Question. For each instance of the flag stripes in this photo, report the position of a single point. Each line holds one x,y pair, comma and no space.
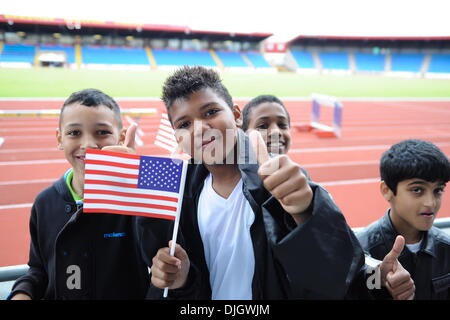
132,185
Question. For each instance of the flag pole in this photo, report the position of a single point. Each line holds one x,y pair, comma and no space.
177,217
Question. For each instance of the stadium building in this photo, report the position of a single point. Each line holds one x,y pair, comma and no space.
27,42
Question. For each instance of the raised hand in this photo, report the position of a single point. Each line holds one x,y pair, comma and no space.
283,178
394,277
128,145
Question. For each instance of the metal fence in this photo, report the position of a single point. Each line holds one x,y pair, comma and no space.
11,273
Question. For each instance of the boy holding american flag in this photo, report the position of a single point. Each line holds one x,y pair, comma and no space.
74,254
250,230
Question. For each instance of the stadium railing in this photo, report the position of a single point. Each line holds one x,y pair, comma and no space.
9,274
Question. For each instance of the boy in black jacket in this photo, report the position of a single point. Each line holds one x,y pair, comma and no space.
249,231
75,255
414,174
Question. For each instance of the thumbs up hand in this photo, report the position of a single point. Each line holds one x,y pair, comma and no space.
283,178
128,145
394,277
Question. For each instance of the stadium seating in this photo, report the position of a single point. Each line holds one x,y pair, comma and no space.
70,51
369,62
304,59
440,63
407,62
231,59
166,57
334,60
257,59
107,55
18,53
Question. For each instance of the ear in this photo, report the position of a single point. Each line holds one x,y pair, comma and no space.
237,115
59,139
122,136
386,192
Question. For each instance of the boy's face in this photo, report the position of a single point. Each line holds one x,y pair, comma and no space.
416,203
201,122
271,118
85,127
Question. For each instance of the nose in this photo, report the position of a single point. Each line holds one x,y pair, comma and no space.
430,201
200,126
89,142
274,131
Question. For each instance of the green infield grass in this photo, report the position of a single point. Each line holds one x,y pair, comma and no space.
45,82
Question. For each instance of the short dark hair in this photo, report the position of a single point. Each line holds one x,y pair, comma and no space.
93,98
413,158
187,80
256,102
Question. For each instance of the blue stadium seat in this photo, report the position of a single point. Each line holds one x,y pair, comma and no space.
18,53
165,57
257,59
70,51
440,63
334,60
410,62
304,59
107,55
231,59
369,62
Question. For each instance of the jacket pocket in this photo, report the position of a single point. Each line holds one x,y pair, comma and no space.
441,283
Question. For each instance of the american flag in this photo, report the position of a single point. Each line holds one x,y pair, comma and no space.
133,185
165,138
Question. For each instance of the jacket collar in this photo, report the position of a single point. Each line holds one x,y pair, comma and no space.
247,166
61,187
389,234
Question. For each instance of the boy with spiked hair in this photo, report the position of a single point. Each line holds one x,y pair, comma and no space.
250,230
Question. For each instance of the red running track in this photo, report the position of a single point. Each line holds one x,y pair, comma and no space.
347,167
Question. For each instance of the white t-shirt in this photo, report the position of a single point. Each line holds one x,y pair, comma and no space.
225,230
415,247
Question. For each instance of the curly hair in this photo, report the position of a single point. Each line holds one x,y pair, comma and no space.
187,80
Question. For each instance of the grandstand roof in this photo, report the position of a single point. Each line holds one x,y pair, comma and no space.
80,24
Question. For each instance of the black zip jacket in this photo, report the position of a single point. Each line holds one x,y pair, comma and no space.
105,248
320,259
429,268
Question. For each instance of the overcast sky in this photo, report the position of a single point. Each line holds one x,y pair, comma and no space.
285,17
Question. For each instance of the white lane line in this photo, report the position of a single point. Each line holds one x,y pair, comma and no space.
18,182
341,164
348,182
31,162
16,206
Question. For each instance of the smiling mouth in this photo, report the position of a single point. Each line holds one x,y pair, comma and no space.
276,145
81,158
207,142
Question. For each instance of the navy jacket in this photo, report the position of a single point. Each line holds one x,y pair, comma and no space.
429,268
320,259
105,248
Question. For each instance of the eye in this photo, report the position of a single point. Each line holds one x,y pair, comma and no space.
103,132
211,112
283,125
439,191
73,133
262,126
417,190
184,125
